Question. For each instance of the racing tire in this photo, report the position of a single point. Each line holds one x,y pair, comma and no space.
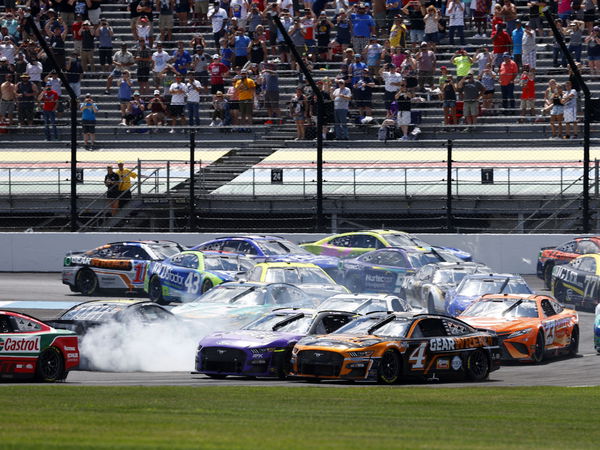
286,365
206,285
86,282
216,376
50,366
548,275
574,344
73,288
478,366
540,345
155,291
354,283
560,293
389,368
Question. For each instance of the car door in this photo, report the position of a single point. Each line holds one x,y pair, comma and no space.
554,335
139,262
19,341
190,269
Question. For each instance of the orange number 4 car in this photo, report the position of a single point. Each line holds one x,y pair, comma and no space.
529,327
391,347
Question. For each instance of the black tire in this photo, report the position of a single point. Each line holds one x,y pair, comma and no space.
478,366
50,366
216,376
389,368
574,344
86,282
548,275
354,283
155,291
73,288
540,345
206,285
286,365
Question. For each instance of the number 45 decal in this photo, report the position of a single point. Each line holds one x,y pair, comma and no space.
417,357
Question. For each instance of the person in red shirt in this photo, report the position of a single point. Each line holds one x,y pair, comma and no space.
527,93
502,43
217,70
49,100
508,73
77,36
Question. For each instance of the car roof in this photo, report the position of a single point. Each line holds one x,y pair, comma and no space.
251,237
286,264
495,276
149,241
453,265
376,296
518,296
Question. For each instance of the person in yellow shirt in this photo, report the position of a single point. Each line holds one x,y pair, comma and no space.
246,88
398,33
125,176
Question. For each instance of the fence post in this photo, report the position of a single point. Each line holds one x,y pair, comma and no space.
596,177
449,219
192,179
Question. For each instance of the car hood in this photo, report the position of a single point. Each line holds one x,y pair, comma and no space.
209,310
323,291
250,339
342,341
325,262
499,325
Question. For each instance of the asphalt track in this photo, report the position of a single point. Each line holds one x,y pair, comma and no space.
30,289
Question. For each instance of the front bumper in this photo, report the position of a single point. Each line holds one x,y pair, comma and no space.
328,365
233,361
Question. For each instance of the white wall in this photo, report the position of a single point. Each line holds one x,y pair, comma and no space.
44,252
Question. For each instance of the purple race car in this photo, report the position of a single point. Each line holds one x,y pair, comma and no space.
263,348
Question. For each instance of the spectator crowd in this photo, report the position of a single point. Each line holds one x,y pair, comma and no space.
229,63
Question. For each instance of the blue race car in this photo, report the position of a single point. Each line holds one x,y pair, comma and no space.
270,249
188,274
263,348
474,286
384,270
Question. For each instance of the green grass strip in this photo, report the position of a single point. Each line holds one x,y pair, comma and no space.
75,417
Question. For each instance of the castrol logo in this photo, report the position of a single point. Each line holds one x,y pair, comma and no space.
20,345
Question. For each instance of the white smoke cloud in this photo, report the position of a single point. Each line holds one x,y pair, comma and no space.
138,347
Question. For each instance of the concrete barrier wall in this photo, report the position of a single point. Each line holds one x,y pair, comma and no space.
44,252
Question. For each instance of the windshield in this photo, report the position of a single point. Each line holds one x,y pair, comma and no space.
359,326
298,323
396,328
404,240
294,275
164,251
448,276
502,308
480,286
280,247
217,263
94,312
354,305
240,295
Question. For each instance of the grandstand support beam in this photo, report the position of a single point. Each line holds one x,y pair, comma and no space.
73,97
320,220
192,205
449,218
587,118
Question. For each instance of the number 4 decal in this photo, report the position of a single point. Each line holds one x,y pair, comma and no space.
417,357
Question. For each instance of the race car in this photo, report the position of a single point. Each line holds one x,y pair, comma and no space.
578,282
30,348
188,274
355,243
394,347
384,270
474,286
528,326
428,287
229,306
270,249
263,348
365,303
309,277
597,328
118,266
549,257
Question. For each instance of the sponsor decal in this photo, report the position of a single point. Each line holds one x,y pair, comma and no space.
443,364
166,273
20,345
86,260
73,355
379,279
442,344
456,363
70,349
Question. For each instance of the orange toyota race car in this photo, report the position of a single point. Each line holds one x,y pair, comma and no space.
528,326
390,347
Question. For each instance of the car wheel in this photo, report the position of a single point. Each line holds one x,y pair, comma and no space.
354,283
73,288
389,368
540,346
548,275
86,282
574,344
50,366
216,376
286,364
206,285
155,291
478,366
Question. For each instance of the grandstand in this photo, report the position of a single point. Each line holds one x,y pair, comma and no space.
536,181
